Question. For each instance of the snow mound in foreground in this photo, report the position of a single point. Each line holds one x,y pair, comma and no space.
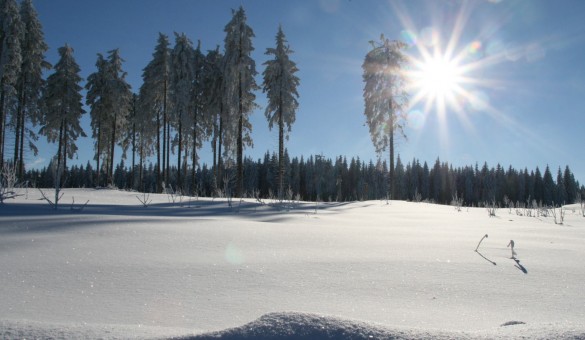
311,326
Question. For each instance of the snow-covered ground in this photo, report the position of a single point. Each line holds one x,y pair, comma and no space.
117,269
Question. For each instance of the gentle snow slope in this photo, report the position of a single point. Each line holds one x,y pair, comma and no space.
118,269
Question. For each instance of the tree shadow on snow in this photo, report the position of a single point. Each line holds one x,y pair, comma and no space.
519,266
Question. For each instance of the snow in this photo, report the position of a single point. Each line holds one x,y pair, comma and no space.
202,269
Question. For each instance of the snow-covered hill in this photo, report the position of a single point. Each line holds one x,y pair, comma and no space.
117,269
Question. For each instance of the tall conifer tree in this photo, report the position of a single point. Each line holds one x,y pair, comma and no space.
62,99
11,33
385,96
280,85
30,82
154,95
239,84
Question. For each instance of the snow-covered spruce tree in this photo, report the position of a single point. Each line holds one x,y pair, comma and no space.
154,95
213,106
63,109
280,85
30,83
385,96
201,123
239,86
11,32
182,78
96,99
120,99
110,99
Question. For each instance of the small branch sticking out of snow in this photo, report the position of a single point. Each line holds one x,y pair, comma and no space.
145,200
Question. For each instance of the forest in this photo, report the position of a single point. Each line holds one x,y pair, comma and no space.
317,178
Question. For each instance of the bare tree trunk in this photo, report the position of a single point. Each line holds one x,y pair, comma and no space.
194,155
2,123
280,152
391,170
112,148
179,147
158,154
98,153
21,149
164,143
219,157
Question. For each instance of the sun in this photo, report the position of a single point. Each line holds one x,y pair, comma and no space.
437,79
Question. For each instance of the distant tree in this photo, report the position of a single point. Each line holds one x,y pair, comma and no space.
30,83
11,33
280,85
548,187
239,85
63,107
561,190
385,96
154,95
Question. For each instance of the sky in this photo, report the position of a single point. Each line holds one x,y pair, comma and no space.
507,86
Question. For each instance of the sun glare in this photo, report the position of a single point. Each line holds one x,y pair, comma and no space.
438,78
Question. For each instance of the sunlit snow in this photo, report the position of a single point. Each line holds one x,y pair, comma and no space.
117,269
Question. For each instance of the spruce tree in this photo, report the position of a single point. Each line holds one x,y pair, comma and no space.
63,107
385,96
213,104
154,95
11,33
182,78
280,85
239,84
30,83
96,99
201,119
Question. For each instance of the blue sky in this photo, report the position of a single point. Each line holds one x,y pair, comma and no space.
520,93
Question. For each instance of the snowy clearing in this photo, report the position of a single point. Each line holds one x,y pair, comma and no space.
117,269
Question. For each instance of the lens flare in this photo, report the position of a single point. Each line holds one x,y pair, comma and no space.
409,37
416,119
233,254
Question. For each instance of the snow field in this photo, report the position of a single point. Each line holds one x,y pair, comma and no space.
120,270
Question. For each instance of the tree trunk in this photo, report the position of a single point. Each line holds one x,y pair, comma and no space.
98,153
280,152
21,149
133,171
219,158
158,165
391,170
112,147
194,155
164,143
179,147
2,125
168,161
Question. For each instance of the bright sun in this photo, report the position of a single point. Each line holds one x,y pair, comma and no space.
438,80
439,77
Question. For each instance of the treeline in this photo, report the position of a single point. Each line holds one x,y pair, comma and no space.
319,178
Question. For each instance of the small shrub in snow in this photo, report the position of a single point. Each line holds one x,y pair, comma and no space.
457,202
491,207
7,183
558,216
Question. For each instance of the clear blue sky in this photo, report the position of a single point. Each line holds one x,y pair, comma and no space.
521,100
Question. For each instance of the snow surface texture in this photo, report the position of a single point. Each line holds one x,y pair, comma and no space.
199,268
